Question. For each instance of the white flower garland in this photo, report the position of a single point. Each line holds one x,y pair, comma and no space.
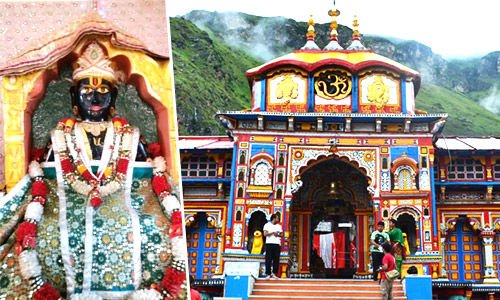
34,211
64,143
29,264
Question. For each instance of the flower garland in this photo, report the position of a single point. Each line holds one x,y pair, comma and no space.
174,279
116,155
25,238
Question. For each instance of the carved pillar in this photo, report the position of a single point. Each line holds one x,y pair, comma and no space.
487,236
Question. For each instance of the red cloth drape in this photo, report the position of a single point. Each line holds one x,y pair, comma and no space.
339,237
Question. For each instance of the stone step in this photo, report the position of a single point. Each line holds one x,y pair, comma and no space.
317,292
273,286
364,297
334,289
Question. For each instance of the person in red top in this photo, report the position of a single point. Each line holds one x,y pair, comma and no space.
388,264
195,295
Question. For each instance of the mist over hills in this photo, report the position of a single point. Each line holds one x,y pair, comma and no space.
213,50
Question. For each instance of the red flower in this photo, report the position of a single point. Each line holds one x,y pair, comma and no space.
172,280
160,184
154,150
39,188
26,229
176,224
87,176
122,166
96,201
66,166
37,154
46,292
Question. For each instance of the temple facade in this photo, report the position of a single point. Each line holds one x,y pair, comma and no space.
333,144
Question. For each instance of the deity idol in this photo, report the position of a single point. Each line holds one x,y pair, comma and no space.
96,226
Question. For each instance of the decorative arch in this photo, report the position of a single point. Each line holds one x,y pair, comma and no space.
303,158
413,211
404,170
256,209
23,92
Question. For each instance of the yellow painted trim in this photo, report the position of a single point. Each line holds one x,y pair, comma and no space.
405,142
292,140
317,141
263,139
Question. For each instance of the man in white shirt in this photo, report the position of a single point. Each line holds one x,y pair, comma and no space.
273,233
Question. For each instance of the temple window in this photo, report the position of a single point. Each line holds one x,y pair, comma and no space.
240,192
241,175
404,172
238,215
279,194
199,167
261,175
280,177
227,168
404,178
463,169
242,157
281,160
496,170
424,162
385,163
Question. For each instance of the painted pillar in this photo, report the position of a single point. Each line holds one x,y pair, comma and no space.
362,238
487,236
444,234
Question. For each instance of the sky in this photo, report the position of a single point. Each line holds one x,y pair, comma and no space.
452,28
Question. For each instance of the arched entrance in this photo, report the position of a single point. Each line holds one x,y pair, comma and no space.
326,221
408,226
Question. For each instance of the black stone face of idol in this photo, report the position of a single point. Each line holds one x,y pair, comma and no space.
94,102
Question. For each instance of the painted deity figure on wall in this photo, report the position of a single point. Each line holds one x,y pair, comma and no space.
96,225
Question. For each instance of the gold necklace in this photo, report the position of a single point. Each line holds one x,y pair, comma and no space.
94,128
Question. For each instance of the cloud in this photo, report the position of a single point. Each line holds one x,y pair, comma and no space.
492,101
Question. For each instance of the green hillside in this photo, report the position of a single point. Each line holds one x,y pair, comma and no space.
209,76
465,116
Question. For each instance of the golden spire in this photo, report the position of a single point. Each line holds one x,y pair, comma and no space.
310,30
334,13
333,44
355,28
356,41
310,35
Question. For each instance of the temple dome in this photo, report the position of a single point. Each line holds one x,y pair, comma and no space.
351,60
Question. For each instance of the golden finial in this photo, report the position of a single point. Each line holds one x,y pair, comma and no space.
333,44
310,30
310,44
334,13
356,41
355,28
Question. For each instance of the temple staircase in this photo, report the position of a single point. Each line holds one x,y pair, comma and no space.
307,289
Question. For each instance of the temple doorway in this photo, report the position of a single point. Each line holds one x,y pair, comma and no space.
408,225
329,213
